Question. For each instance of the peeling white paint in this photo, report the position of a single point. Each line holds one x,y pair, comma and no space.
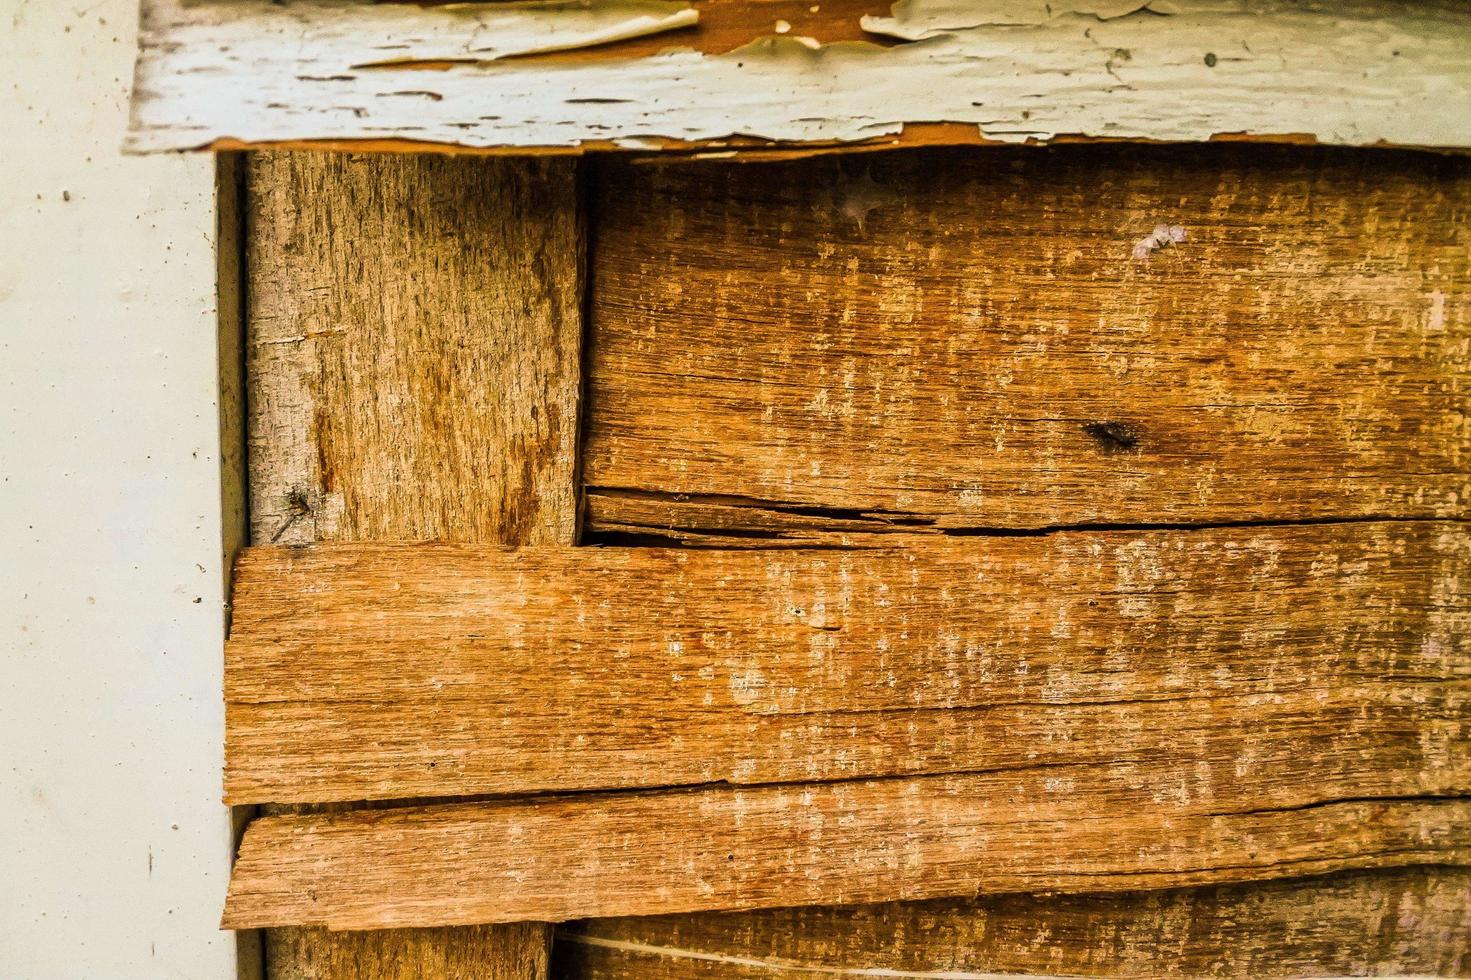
114,846
918,20
1352,73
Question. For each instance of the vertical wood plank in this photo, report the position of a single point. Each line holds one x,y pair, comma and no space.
413,354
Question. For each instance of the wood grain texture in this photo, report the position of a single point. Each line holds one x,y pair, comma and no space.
1229,667
1357,73
911,342
1320,676
1352,733
413,369
414,349
909,288
505,952
808,844
1415,921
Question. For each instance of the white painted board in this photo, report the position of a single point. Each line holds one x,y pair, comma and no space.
114,845
1350,72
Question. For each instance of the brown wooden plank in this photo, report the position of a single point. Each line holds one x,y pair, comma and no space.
1319,671
414,350
497,952
819,843
934,340
1414,921
1293,255
413,362
1237,665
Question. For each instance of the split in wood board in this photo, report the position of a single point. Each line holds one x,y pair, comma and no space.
1070,711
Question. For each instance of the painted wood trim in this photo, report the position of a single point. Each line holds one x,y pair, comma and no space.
547,75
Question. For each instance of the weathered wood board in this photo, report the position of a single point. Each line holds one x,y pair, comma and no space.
820,843
1410,922
531,75
486,952
414,336
905,281
1235,667
819,350
610,662
414,350
348,452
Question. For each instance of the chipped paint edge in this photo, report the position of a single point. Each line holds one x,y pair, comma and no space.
217,75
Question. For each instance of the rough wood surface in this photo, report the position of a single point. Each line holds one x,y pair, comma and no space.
1354,715
1304,694
478,75
1415,921
816,351
808,844
414,349
413,369
1224,668
497,952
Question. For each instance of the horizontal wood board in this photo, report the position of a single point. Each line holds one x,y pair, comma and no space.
1234,666
824,843
1409,922
819,351
1357,771
568,76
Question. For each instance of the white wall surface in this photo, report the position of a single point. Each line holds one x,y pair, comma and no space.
114,846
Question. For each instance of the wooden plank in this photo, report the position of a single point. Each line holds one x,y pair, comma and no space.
823,350
1037,245
1238,666
522,75
413,364
1415,921
414,355
821,843
497,952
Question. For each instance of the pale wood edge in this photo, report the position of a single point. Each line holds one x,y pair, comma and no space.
230,314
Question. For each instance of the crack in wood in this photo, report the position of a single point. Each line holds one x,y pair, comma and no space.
675,533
